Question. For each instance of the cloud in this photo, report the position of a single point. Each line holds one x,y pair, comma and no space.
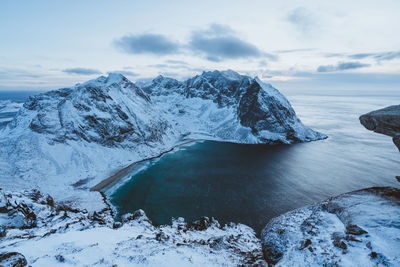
294,50
6,73
81,71
219,42
178,62
159,66
147,43
125,73
342,66
378,56
301,18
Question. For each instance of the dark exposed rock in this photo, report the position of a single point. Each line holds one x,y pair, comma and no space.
3,231
305,243
13,259
385,121
60,258
202,224
355,230
96,217
161,236
64,207
117,225
337,240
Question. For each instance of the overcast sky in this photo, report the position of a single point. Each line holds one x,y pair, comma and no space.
49,44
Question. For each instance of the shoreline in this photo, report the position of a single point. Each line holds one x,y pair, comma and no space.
124,171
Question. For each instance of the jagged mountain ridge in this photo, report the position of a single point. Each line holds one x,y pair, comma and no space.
257,105
83,134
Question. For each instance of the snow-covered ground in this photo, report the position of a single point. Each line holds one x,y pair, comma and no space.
8,109
9,106
41,232
360,228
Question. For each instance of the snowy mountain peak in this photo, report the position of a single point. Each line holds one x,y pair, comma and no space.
225,74
103,82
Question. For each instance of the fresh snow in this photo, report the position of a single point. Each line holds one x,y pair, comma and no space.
360,228
52,234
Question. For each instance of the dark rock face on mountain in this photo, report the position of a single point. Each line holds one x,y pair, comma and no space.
257,105
359,227
385,121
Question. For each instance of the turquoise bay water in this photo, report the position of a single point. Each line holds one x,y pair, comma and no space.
251,184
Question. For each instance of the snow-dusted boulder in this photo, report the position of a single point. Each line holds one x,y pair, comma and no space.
385,121
360,228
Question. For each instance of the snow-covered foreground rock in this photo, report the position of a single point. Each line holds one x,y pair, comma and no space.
8,109
360,228
37,231
64,142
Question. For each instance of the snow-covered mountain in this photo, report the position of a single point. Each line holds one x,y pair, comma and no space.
233,107
75,137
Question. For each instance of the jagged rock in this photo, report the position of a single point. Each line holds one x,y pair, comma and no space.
331,227
117,225
13,259
355,230
203,224
305,243
60,258
385,121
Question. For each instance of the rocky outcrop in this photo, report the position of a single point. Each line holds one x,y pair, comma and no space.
385,121
13,259
40,232
360,227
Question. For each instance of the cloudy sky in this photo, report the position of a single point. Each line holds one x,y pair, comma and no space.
49,44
